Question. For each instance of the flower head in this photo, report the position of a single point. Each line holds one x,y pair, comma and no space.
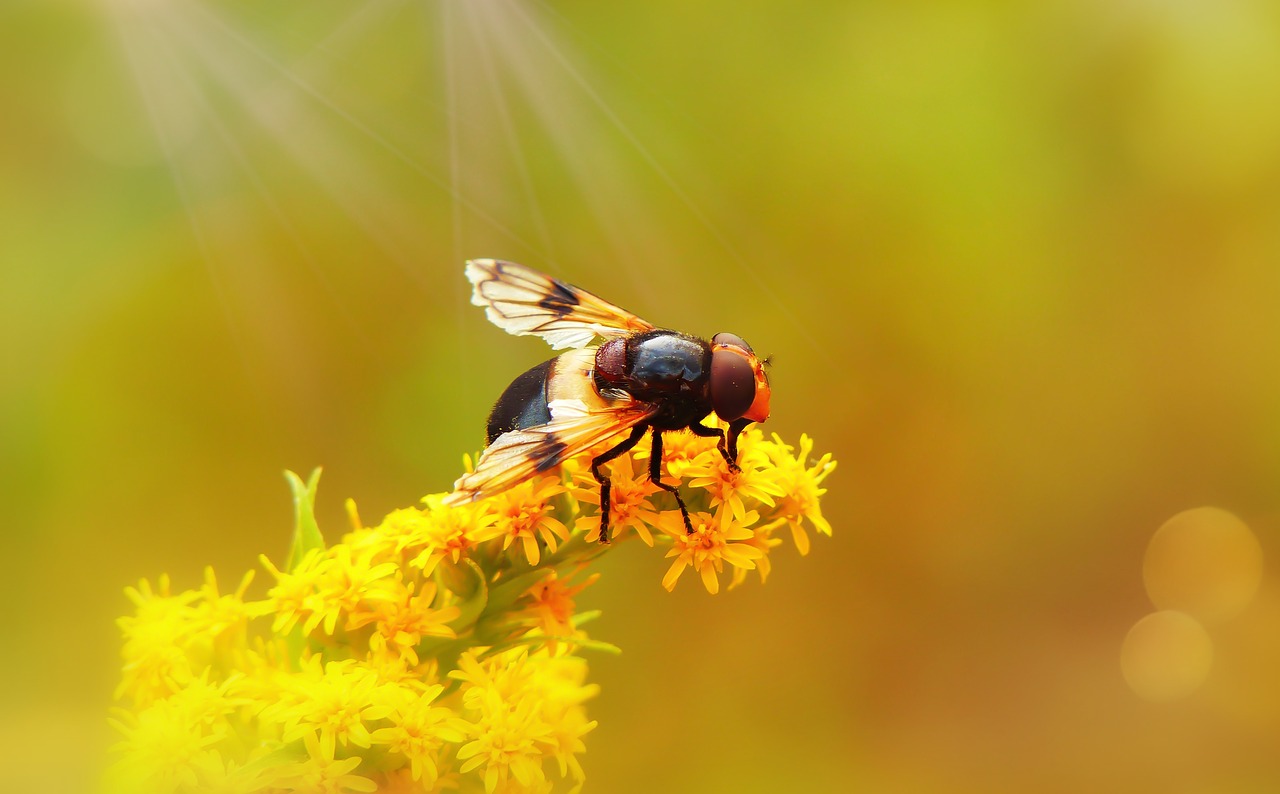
550,607
525,514
754,481
449,532
155,660
419,730
403,621
712,543
629,505
439,648
321,773
800,485
332,701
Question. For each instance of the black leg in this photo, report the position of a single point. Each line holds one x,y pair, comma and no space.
637,433
655,476
735,429
700,429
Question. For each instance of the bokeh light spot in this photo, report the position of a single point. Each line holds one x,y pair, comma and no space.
1166,656
1205,562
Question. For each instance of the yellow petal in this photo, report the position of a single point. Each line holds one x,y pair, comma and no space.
673,573
710,580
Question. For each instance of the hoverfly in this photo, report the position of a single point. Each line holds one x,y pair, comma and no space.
639,378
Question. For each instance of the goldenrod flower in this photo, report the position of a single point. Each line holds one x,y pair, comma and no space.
525,709
217,615
762,538
680,450
155,659
550,603
753,482
629,503
408,529
403,620
163,748
332,701
419,729
450,532
709,546
437,649
800,487
322,774
523,513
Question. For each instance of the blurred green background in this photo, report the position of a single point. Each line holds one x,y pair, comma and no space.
1018,266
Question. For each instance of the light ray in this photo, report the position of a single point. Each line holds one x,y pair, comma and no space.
598,175
485,56
318,96
455,164
344,180
147,66
260,186
735,254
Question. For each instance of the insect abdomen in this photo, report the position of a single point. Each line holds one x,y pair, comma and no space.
523,404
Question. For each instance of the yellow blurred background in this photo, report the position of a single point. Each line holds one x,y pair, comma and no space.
1018,266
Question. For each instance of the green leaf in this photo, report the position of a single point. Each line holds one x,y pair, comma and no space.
539,639
590,645
502,596
306,532
585,617
466,581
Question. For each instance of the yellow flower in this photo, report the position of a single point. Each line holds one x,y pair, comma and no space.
403,621
218,614
163,748
327,586
679,451
550,607
709,546
449,532
506,742
753,481
800,484
321,773
219,775
293,597
762,538
407,528
332,702
419,729
629,506
559,679
425,653
523,708
155,660
209,704
524,513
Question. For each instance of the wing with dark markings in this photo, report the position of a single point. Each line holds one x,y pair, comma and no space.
522,301
518,455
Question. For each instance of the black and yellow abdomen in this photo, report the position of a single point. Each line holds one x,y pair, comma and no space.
527,402
523,404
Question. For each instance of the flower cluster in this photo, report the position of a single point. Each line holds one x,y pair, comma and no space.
438,649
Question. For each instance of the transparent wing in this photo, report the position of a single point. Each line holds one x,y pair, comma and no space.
522,301
516,456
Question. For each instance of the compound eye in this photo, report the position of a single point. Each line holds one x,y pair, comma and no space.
731,339
733,380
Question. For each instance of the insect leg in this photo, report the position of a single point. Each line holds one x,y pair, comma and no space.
655,476
630,441
700,429
735,429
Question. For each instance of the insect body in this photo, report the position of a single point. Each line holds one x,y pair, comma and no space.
640,378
